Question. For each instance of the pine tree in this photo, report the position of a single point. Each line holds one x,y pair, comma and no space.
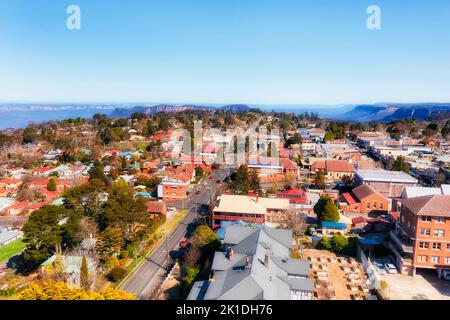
84,274
320,179
255,182
51,185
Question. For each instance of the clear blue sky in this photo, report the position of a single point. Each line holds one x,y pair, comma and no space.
227,51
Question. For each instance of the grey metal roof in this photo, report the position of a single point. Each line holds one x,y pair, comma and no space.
8,235
236,234
384,175
295,267
232,279
299,284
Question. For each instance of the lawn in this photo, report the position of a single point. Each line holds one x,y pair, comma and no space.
11,249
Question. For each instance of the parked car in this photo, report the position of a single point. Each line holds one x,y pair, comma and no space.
390,268
357,231
446,275
379,267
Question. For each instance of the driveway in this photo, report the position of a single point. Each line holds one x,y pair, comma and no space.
425,285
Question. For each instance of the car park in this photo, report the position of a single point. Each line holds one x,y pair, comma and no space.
446,274
379,268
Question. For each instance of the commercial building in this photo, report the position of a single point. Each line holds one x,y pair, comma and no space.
248,209
422,234
388,183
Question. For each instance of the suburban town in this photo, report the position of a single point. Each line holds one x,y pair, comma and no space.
234,204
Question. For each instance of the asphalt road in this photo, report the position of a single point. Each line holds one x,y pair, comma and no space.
145,278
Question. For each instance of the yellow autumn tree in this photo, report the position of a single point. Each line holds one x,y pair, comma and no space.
60,291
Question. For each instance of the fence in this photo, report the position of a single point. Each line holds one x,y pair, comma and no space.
374,281
161,282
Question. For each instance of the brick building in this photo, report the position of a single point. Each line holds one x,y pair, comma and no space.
422,234
364,199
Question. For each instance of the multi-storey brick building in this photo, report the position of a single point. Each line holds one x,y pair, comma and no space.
364,199
422,234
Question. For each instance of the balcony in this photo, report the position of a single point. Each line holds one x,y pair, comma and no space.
400,243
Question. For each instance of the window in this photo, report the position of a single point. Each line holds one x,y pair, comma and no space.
436,246
368,205
435,259
423,245
381,205
447,260
438,233
422,258
426,218
448,246
425,232
375,204
440,219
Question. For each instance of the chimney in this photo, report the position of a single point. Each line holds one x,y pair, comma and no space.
257,198
250,193
266,261
247,263
231,254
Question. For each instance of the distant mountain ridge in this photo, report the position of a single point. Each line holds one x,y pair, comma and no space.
167,108
392,112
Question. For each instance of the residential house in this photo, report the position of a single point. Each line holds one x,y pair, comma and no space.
10,186
255,266
334,169
7,236
156,209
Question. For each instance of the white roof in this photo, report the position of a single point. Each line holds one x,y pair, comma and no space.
246,204
412,192
6,202
445,189
384,175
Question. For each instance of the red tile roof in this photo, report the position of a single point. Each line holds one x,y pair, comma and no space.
432,205
156,207
333,166
10,181
348,198
18,205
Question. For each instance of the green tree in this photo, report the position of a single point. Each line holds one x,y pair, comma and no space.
109,243
241,182
400,165
339,243
47,228
325,243
164,124
84,274
331,212
255,182
296,139
51,185
124,211
319,180
206,239
329,136
28,135
97,172
326,210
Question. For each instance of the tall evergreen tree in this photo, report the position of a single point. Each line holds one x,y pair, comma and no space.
84,274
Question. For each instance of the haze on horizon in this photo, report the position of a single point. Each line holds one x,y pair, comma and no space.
236,51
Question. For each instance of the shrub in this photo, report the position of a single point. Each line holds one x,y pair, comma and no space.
132,250
116,274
